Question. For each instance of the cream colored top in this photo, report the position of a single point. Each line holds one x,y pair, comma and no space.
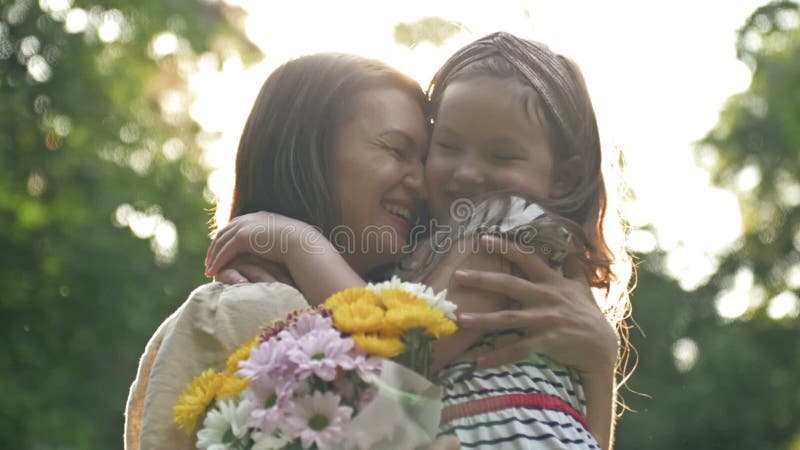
214,321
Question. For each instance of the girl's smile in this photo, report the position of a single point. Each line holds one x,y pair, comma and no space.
489,134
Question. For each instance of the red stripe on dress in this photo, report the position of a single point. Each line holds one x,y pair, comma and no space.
496,403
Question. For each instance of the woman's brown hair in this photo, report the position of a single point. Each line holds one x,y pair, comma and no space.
284,156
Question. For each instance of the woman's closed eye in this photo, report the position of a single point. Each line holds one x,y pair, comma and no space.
400,152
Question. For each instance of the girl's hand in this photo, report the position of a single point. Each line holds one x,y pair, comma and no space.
269,236
558,313
252,269
313,265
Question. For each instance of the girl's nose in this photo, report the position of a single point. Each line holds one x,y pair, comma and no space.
468,173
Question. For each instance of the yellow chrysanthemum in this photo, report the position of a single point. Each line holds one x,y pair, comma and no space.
240,354
232,385
398,298
360,316
441,328
195,399
413,317
351,295
380,345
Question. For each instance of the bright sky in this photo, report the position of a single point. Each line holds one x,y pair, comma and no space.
658,75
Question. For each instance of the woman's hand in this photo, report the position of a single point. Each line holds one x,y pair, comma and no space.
560,319
558,313
269,236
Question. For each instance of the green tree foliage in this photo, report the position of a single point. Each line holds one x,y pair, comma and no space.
102,213
741,391
758,137
738,391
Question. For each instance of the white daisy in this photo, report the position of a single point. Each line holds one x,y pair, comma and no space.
435,300
263,441
319,419
225,425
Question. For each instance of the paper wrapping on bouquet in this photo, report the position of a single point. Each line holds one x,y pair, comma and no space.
404,415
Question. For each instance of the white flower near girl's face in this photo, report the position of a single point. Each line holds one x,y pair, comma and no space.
439,301
319,419
521,212
434,300
225,426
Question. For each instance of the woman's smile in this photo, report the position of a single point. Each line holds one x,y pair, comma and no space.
378,170
402,214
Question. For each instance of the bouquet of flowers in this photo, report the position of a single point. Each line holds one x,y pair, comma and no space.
320,378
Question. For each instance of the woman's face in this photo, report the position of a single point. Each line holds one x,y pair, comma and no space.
377,175
488,136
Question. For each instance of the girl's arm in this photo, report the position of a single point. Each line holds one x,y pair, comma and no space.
314,265
469,300
600,400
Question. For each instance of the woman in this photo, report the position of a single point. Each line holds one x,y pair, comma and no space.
340,114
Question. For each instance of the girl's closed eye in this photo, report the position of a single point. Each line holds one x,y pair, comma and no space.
448,147
507,156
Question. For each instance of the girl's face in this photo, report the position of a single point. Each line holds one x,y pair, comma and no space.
488,135
378,177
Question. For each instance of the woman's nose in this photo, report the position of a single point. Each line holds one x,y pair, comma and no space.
415,182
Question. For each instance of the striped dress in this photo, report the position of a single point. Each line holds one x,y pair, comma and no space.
531,404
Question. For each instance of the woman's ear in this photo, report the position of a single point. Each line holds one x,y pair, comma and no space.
566,177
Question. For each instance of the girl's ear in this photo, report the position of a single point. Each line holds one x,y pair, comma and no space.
566,177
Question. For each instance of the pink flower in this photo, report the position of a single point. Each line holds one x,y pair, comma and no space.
309,322
320,352
268,359
367,397
319,419
271,398
368,367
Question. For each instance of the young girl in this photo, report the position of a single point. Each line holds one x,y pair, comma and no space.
510,114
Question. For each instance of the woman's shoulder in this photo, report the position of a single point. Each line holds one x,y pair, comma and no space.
217,290
217,307
214,320
274,297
